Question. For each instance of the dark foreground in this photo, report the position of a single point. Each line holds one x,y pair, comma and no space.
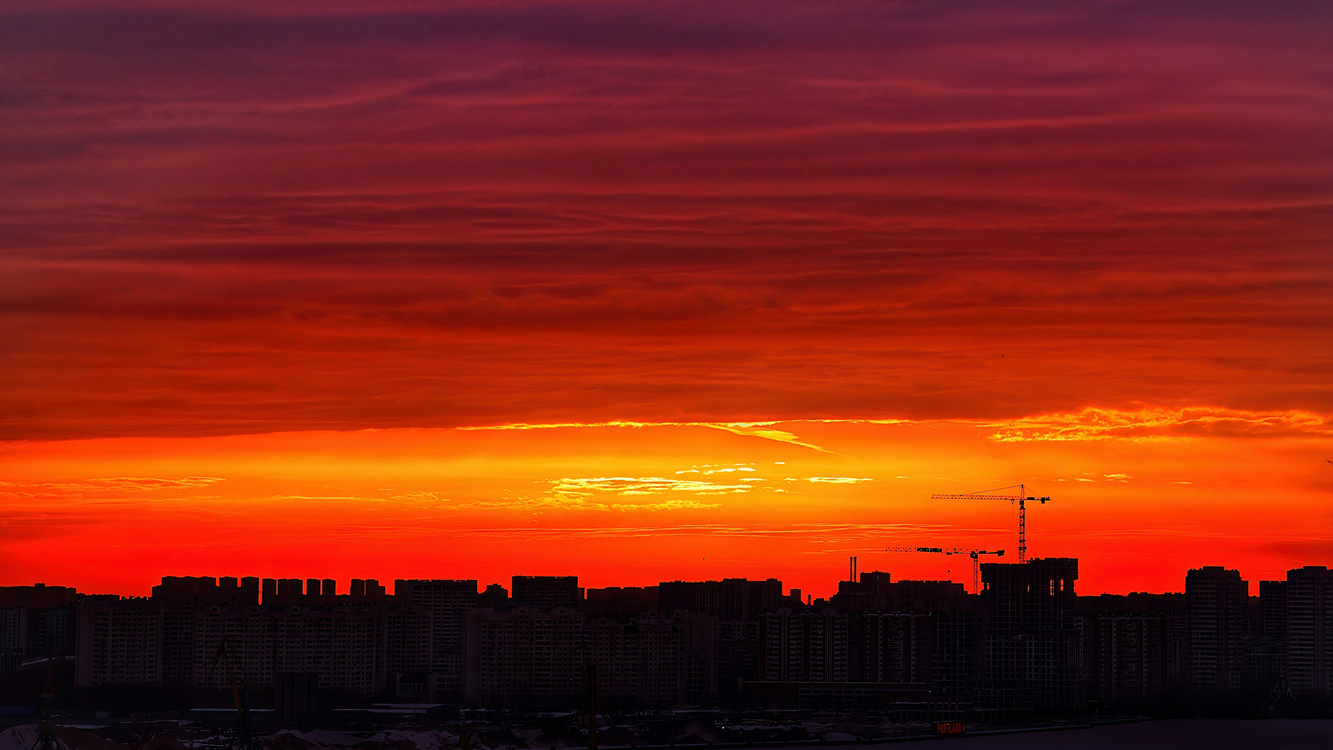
1176,734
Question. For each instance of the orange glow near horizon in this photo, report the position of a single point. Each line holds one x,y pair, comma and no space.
633,505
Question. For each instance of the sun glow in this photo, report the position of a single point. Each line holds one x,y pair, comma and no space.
632,504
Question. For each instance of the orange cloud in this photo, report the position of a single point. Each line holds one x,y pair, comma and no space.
763,430
1159,424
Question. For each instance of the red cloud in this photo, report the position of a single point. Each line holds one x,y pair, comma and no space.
295,216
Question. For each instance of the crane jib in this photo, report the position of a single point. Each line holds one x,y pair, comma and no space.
1022,497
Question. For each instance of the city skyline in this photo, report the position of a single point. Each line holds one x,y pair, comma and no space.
1025,646
265,590
745,661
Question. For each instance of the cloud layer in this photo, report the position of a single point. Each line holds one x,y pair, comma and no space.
1156,423
240,217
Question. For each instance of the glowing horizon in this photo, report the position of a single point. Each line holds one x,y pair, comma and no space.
634,505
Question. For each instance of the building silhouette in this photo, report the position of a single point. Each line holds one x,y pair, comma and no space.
1026,645
172,641
621,601
1266,652
1309,593
206,589
547,591
728,599
447,601
36,622
1032,658
523,656
1218,604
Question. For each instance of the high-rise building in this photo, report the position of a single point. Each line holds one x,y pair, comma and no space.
640,659
1217,600
805,646
739,655
36,632
208,589
1128,648
1310,629
525,655
621,602
1174,611
1133,646
11,628
409,640
547,591
698,655
120,643
251,638
447,600
1033,652
1266,656
1273,606
875,592
728,599
37,596
890,647
955,652
826,658
179,642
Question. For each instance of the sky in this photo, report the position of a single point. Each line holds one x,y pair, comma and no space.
468,290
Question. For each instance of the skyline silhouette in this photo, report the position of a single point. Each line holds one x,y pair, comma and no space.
1024,647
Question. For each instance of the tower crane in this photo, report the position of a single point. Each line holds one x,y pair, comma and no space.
46,733
240,694
972,553
1021,497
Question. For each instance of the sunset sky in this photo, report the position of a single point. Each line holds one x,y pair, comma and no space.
651,290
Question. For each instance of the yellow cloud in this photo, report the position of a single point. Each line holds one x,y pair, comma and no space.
764,430
1161,424
585,486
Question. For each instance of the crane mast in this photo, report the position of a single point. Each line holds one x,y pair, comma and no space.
976,567
1021,498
